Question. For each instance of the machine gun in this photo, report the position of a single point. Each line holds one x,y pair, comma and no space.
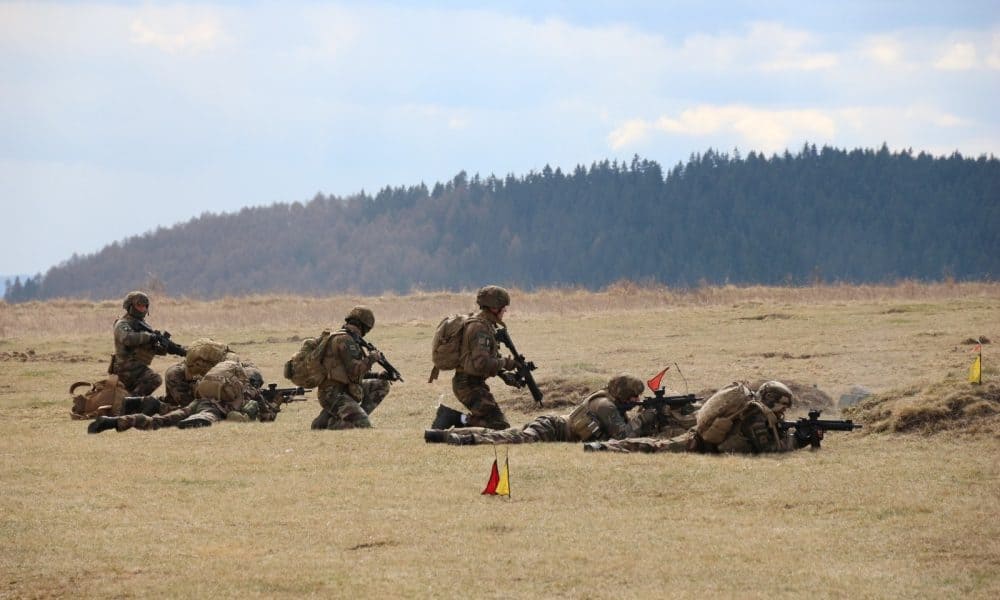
521,376
162,339
278,396
660,399
392,372
809,430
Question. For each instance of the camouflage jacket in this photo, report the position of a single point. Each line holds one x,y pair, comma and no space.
480,353
344,360
598,418
133,344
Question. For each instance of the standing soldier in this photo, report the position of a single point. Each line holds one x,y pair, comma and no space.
601,416
346,395
135,348
479,359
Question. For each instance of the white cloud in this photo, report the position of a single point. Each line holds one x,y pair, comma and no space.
175,37
764,46
774,130
761,129
630,133
960,56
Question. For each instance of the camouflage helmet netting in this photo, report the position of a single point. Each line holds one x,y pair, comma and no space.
622,387
134,297
773,393
363,315
492,296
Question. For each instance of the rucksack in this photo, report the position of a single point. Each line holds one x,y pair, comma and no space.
224,383
305,367
202,355
104,398
718,415
446,347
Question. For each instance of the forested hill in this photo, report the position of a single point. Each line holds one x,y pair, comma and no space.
821,214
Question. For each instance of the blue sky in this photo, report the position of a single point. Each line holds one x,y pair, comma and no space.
117,118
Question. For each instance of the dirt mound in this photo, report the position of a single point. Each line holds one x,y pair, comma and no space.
947,406
32,356
558,392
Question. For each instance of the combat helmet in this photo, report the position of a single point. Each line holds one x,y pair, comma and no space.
363,317
131,300
623,387
775,395
492,296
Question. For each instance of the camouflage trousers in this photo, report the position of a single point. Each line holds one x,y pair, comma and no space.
546,428
198,412
680,443
475,395
342,410
137,377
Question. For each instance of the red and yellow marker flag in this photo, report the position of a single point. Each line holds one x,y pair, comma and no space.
499,482
654,383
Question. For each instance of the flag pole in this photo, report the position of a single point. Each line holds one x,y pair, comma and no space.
980,382
506,460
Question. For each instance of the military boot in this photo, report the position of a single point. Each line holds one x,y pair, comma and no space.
102,424
435,436
194,421
322,421
446,417
150,406
132,405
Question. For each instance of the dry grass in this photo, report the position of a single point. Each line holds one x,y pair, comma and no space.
276,510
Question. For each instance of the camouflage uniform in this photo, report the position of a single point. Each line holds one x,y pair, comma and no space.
214,401
599,417
346,396
751,430
135,349
181,379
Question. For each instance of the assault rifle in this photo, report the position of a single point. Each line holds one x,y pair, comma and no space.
521,376
162,339
809,430
660,399
391,371
278,396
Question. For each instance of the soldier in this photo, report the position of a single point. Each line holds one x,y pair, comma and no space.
346,395
735,419
220,394
181,379
479,359
601,416
135,348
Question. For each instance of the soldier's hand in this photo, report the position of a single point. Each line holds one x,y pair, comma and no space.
509,364
375,355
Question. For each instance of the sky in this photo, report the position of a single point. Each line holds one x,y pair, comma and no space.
117,118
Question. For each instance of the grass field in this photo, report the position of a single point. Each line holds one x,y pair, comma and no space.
264,510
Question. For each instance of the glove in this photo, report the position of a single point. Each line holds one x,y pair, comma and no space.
375,356
509,364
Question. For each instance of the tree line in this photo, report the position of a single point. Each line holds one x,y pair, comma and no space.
828,214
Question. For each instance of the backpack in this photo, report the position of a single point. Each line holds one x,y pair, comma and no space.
446,347
718,415
224,383
305,367
104,398
202,355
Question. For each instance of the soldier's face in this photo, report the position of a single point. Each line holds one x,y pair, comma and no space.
140,307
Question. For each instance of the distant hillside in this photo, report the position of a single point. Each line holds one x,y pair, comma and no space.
861,216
